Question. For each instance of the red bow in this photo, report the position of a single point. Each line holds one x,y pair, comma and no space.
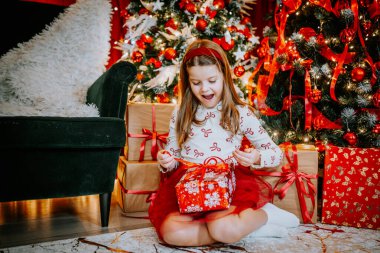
291,175
157,139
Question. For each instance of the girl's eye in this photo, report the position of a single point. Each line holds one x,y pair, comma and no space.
196,83
212,81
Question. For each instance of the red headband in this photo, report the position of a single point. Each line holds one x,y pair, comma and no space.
202,51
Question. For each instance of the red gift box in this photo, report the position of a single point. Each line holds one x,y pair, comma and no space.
351,193
205,187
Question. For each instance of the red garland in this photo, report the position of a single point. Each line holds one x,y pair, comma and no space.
291,175
157,139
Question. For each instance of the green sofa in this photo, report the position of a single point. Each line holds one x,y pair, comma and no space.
54,157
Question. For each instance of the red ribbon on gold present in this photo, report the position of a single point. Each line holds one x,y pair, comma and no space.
290,175
157,139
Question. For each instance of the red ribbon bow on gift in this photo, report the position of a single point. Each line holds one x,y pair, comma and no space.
157,139
209,164
291,175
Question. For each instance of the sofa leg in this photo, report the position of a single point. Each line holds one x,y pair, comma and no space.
105,204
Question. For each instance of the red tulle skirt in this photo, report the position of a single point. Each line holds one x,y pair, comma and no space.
251,192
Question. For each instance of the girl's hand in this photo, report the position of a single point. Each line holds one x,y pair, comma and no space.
248,157
166,160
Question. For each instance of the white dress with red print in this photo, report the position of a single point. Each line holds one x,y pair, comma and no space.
210,139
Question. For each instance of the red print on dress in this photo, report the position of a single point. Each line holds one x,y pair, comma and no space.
197,153
249,113
191,132
175,152
206,132
229,159
187,148
215,147
172,119
248,131
265,146
261,130
210,115
229,139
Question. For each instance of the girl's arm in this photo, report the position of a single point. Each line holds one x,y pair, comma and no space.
270,153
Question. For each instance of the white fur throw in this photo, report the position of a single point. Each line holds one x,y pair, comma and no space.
49,75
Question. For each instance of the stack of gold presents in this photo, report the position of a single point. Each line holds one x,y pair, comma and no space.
138,175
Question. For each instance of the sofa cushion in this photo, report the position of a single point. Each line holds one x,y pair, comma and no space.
61,132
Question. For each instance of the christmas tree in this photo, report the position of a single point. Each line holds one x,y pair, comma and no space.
317,79
158,33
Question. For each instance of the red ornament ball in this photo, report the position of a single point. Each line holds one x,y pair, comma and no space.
201,24
190,7
232,28
157,64
245,20
357,74
211,13
315,96
320,146
171,23
376,129
351,138
218,4
163,98
227,46
170,53
376,99
347,35
146,38
137,56
262,52
239,71
143,11
247,55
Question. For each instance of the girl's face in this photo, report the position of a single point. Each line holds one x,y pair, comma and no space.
206,83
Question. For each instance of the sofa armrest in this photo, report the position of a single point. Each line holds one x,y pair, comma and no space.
110,91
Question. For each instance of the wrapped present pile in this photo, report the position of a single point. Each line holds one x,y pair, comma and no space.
138,176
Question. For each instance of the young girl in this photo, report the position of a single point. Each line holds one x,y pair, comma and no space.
211,120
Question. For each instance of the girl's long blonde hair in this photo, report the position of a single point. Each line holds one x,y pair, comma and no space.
188,103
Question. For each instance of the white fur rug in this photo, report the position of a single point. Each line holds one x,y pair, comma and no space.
304,239
49,75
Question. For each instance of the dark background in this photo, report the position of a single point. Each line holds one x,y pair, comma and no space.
20,21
